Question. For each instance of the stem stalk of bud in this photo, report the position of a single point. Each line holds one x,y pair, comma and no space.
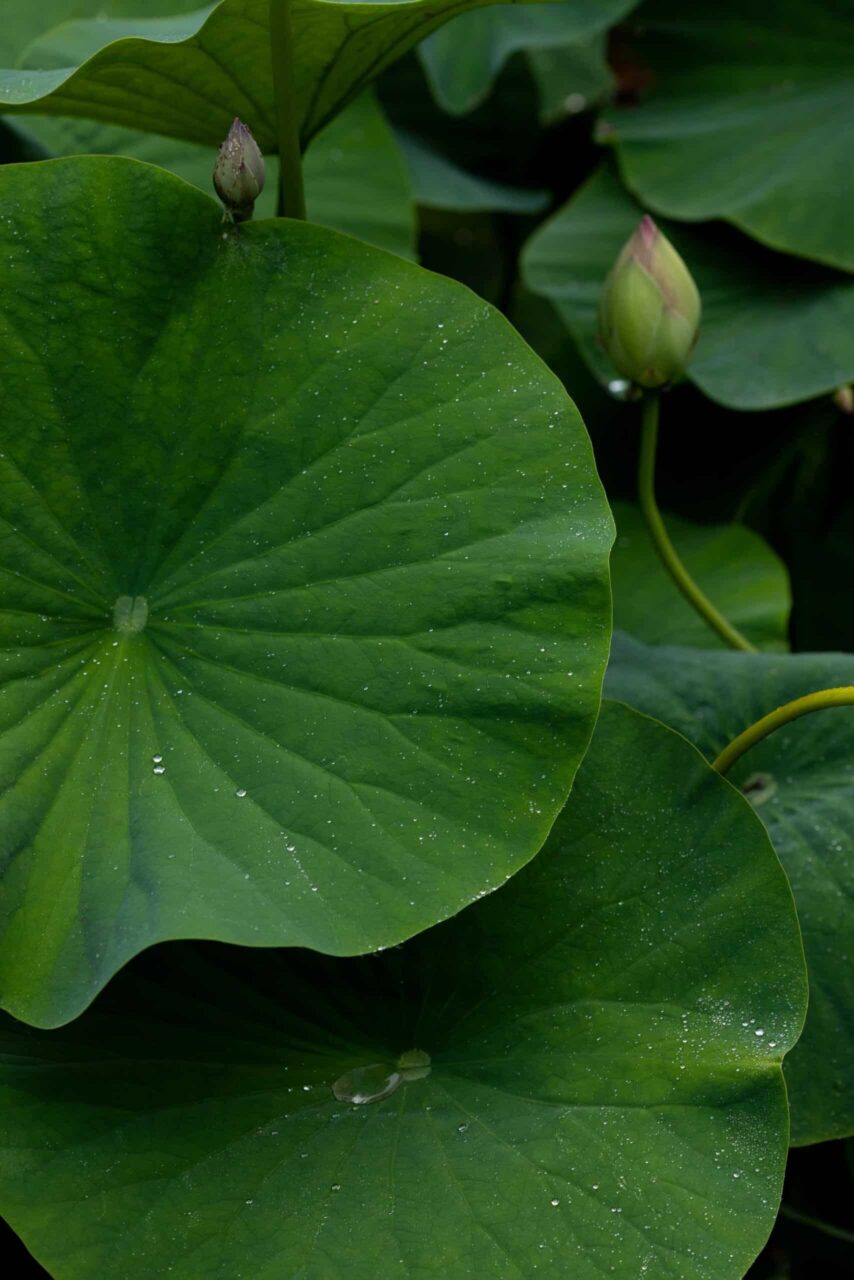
661,539
820,701
291,191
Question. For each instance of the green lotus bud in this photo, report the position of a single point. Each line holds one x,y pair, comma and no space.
239,172
649,314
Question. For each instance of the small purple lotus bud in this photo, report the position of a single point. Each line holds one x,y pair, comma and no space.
239,172
649,314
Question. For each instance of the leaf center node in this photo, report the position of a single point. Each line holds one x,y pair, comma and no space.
130,613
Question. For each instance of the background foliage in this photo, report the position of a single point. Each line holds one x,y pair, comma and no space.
512,149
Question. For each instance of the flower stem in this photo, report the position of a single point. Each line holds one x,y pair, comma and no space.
661,539
838,1233
820,701
291,192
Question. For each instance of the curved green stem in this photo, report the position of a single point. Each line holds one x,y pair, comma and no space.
820,701
291,192
661,538
795,1215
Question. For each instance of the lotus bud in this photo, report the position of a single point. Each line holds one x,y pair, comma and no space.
649,314
239,172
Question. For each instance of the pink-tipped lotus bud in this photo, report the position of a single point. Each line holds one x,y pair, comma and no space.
239,172
649,314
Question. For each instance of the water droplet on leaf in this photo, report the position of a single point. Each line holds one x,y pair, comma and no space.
366,1084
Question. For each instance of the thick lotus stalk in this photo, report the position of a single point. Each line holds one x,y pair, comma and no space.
239,172
649,314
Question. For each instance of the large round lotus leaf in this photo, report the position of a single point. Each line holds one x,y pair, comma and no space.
774,331
187,74
733,565
744,119
801,780
303,589
579,1076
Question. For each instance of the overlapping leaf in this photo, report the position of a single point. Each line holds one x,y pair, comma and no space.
604,1091
188,76
774,331
801,780
304,584
744,118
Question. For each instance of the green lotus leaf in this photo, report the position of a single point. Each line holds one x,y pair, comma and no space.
24,22
462,60
801,781
757,305
304,601
438,183
188,75
355,175
580,1074
572,78
742,119
734,566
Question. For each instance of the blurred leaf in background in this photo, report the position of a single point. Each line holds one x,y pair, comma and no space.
564,44
745,117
